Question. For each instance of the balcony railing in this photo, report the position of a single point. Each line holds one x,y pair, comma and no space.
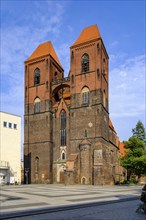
62,80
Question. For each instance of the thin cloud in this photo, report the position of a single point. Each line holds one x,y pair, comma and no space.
127,88
114,43
64,56
45,21
17,43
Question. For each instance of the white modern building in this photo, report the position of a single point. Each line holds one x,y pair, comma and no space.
10,148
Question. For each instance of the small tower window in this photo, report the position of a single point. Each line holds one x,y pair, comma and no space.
85,96
72,55
85,63
26,91
104,67
37,105
98,74
63,156
72,78
25,69
85,133
98,48
36,164
37,76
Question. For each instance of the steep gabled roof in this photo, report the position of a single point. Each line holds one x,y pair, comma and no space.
84,142
89,33
44,49
72,157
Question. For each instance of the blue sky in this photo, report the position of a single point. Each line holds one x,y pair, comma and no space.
26,24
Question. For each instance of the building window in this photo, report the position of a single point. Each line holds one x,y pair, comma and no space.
10,125
63,156
36,105
85,96
72,55
25,69
15,126
37,76
26,91
63,128
5,124
72,78
85,63
36,164
85,133
98,74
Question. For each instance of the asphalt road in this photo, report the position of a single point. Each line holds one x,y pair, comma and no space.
125,210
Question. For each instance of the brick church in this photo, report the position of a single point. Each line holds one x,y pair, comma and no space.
69,137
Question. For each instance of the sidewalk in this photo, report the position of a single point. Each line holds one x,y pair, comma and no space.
27,198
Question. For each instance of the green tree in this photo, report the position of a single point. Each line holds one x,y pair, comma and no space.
139,131
135,159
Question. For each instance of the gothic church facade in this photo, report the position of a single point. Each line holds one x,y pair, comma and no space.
68,135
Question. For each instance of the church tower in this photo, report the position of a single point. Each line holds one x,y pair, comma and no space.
40,70
89,127
69,136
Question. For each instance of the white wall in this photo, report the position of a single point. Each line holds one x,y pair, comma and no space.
10,144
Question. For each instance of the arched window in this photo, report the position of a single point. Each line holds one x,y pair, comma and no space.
37,76
36,164
26,91
85,63
63,156
72,78
37,105
85,96
63,128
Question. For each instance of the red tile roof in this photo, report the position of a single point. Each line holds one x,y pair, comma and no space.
44,49
121,147
89,33
72,157
84,142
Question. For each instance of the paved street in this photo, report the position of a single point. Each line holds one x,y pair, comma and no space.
68,202
116,211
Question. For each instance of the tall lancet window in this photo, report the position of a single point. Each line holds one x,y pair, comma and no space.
85,96
63,128
36,164
85,63
37,76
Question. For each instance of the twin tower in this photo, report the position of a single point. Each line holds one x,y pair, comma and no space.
68,134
